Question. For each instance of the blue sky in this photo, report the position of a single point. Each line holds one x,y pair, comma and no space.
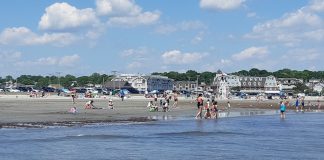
144,36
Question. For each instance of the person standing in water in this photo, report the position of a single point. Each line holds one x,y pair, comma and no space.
200,104
302,104
282,110
297,104
214,110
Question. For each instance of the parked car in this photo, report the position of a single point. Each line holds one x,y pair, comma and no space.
92,90
13,90
23,89
103,91
48,89
81,90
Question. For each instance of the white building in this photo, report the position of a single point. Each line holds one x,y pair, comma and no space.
318,87
144,83
287,84
223,83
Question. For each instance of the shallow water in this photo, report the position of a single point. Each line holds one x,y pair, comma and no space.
299,136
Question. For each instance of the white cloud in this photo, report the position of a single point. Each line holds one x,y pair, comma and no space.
134,65
317,5
221,4
166,29
68,60
292,28
24,36
182,26
145,18
315,35
251,15
198,38
65,61
63,16
177,57
131,53
252,52
6,56
225,61
117,8
125,13
302,55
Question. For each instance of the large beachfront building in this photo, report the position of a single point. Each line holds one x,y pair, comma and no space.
144,83
223,83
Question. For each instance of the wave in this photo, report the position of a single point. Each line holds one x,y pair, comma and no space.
198,133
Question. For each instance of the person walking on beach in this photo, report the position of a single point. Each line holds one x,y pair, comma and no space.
122,95
155,98
73,97
282,109
228,105
200,104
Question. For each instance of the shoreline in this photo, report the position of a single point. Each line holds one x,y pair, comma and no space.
53,111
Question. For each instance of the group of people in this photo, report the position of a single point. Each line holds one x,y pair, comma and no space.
211,111
154,108
164,102
89,105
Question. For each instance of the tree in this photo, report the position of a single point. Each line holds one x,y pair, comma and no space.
9,78
300,88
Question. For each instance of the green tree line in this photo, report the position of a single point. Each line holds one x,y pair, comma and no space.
190,75
65,81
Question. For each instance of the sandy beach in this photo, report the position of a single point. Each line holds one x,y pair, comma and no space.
23,111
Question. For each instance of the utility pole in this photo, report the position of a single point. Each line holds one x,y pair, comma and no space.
197,84
114,76
58,77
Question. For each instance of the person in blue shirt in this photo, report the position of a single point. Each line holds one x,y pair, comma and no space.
122,95
283,107
297,104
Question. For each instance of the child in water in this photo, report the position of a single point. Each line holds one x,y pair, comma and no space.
207,114
215,110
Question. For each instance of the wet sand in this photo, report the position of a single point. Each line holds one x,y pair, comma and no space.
53,111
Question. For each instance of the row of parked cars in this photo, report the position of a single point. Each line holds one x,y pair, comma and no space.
105,91
19,89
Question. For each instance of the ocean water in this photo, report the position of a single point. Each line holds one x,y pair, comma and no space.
299,136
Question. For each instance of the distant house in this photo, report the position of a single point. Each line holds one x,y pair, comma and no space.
117,85
184,85
287,84
318,87
143,83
